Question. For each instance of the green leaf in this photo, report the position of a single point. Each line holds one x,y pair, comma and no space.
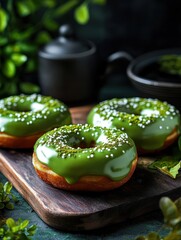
167,165
174,235
16,228
7,187
18,35
49,3
178,204
3,20
100,2
1,231
18,58
43,37
153,236
3,41
10,223
23,224
169,210
31,65
25,47
50,24
66,7
6,199
25,8
172,172
9,49
9,206
20,47
29,88
32,230
8,88
9,69
82,14
13,196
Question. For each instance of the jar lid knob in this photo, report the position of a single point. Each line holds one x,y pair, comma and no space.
66,31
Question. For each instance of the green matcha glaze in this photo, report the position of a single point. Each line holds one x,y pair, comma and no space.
27,115
106,152
147,121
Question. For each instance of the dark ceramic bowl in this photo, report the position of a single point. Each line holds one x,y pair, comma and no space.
146,76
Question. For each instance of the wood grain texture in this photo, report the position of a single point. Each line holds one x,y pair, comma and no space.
85,211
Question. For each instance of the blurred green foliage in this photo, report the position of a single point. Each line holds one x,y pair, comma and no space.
6,196
172,221
25,25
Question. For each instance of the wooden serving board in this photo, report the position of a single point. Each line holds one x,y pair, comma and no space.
75,211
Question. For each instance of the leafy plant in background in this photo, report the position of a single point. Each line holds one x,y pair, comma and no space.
25,25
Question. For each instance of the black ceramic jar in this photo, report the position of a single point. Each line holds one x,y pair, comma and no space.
68,68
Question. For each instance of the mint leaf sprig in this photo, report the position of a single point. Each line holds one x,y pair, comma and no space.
169,163
17,230
6,196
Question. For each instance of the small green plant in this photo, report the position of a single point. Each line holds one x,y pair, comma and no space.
17,230
6,196
172,221
9,228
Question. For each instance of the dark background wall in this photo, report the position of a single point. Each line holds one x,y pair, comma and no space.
134,25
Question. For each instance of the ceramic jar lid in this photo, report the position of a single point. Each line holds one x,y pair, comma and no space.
67,45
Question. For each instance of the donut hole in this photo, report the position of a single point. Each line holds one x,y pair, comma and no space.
19,108
90,139
127,110
144,112
24,106
84,144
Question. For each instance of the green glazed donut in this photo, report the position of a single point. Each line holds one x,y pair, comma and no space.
75,151
25,116
152,124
